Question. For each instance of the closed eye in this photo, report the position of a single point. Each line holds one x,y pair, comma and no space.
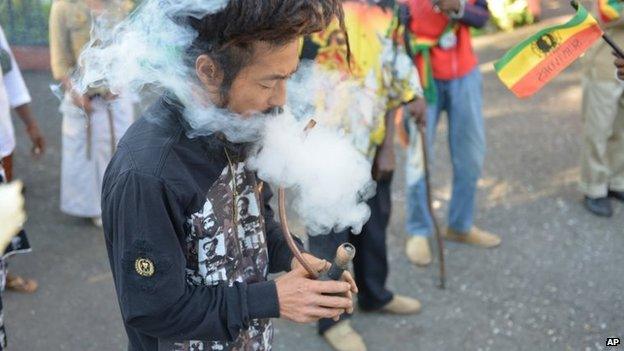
266,86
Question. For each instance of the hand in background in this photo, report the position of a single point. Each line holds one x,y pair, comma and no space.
449,6
619,64
418,111
32,129
37,140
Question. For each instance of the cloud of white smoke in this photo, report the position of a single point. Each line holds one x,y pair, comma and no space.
331,178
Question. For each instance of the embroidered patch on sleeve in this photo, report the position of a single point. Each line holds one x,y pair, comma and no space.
145,268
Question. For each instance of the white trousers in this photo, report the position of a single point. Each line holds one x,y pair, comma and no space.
88,146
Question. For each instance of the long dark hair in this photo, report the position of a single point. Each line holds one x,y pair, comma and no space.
228,36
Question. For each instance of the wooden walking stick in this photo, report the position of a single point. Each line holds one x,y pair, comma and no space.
436,227
404,18
111,126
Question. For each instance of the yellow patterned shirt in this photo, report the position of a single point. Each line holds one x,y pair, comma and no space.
379,66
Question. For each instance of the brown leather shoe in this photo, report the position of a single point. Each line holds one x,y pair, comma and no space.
418,251
402,305
476,237
342,337
21,285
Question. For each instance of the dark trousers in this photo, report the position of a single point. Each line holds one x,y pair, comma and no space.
371,263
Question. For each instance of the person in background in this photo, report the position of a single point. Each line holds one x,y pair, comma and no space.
441,45
192,238
378,66
14,94
602,160
93,122
17,98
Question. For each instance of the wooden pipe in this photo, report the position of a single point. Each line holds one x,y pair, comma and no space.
288,237
281,195
344,255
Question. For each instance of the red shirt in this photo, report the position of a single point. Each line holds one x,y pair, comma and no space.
426,23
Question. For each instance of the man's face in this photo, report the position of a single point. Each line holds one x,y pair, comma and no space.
261,85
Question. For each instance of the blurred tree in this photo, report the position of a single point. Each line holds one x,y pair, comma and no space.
25,22
507,14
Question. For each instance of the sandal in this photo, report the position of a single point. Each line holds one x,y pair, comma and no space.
21,285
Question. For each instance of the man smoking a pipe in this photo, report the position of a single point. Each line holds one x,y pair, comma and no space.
189,232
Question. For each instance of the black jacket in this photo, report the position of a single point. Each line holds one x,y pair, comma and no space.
187,265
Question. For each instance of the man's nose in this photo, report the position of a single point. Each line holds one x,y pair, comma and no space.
279,94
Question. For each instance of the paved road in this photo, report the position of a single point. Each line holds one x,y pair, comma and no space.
555,284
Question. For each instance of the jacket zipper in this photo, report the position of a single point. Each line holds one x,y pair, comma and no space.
234,203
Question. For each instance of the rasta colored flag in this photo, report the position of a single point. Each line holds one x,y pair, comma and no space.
528,66
609,10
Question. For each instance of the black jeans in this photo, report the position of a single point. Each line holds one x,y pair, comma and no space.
370,264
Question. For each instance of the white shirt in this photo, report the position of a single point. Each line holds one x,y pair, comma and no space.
13,93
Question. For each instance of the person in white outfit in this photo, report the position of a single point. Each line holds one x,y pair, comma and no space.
94,122
14,95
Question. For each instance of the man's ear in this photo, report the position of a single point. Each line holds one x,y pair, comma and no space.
208,72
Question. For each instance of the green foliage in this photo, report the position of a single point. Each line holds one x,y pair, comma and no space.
507,14
25,22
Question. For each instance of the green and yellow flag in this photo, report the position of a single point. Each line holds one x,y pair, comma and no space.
609,10
528,66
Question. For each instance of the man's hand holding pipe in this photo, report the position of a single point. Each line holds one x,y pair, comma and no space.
305,300
324,266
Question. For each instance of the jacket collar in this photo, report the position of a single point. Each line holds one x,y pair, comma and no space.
213,144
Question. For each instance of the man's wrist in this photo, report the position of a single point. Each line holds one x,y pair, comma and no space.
262,300
459,12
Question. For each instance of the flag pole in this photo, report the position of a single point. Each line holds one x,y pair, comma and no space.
616,48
